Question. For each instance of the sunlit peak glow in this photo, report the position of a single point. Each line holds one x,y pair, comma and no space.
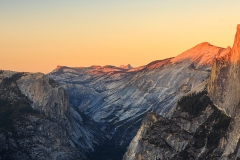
36,36
235,57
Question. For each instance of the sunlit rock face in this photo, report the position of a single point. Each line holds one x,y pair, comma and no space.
224,89
224,86
195,130
119,98
37,121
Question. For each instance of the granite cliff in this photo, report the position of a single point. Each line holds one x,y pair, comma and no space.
224,89
197,129
37,121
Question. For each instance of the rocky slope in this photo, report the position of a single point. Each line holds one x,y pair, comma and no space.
118,98
194,131
201,126
37,121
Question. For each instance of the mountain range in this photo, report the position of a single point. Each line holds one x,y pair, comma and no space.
118,99
184,107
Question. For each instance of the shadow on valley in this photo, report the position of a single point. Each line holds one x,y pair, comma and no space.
108,151
114,148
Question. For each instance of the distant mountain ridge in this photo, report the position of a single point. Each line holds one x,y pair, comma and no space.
118,99
126,66
184,107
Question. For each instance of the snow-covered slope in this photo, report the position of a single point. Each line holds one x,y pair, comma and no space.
118,99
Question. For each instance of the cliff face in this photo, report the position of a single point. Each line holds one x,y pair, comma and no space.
195,130
224,89
38,122
224,81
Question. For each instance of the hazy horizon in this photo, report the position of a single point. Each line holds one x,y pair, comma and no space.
36,36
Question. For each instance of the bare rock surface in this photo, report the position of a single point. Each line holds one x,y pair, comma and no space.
212,133
196,130
37,121
118,99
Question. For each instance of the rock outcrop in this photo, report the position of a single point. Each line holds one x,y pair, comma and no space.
126,66
196,130
38,122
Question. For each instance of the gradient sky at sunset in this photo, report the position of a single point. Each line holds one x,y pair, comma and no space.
37,36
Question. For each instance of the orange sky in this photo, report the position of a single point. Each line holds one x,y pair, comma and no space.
38,36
